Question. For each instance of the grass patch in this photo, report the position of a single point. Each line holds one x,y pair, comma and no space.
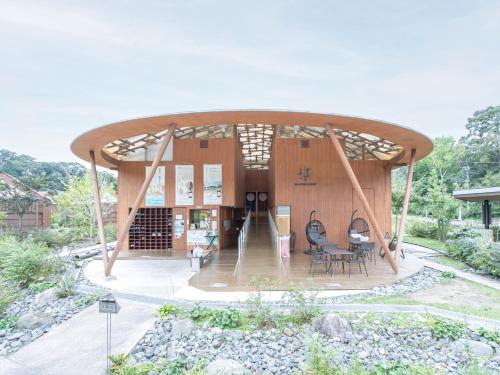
426,242
450,262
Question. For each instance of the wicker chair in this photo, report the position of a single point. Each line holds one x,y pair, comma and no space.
318,257
358,257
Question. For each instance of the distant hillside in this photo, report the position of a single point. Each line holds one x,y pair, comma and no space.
41,175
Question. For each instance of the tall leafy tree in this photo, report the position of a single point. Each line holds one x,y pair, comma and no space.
17,198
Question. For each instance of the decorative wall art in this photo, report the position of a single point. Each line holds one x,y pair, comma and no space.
212,184
155,195
184,185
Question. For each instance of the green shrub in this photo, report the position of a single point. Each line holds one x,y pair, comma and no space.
166,310
39,287
448,275
319,360
53,238
67,285
422,228
259,310
441,328
8,322
469,246
110,232
8,294
489,335
178,366
225,318
199,313
496,232
302,303
28,262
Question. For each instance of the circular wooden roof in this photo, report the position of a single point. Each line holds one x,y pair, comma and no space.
99,138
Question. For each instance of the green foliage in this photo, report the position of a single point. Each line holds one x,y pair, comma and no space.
110,232
8,322
166,310
77,208
3,217
468,246
40,286
302,303
86,299
421,228
199,313
441,328
17,198
26,262
53,238
67,285
259,310
494,228
319,360
489,335
225,318
178,366
448,275
8,294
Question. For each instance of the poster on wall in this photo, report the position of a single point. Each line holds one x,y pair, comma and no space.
155,195
184,185
212,184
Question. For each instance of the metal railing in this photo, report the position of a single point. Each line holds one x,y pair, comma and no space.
274,233
242,239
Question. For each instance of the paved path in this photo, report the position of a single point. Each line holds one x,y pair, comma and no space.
483,280
78,346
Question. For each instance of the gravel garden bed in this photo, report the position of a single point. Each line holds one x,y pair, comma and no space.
374,341
33,315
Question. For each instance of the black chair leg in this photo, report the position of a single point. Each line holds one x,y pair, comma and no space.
364,265
349,269
359,265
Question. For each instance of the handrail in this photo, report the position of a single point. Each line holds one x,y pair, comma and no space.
274,233
242,239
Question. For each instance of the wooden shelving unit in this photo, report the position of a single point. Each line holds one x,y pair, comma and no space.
152,229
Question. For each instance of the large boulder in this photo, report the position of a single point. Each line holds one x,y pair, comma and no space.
182,327
34,320
47,296
333,325
225,366
475,347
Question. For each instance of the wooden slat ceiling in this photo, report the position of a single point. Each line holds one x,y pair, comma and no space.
256,141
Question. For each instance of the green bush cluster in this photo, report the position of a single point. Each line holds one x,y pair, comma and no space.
110,232
53,238
422,228
26,262
469,246
302,304
441,328
8,322
166,310
225,318
8,294
489,335
178,366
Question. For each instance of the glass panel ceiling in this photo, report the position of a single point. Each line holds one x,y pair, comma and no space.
256,141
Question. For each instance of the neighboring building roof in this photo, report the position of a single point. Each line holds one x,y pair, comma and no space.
476,195
121,141
9,181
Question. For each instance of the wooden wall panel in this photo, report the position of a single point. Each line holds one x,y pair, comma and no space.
328,190
256,180
131,175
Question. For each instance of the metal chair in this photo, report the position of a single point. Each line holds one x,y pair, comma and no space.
358,256
391,244
318,257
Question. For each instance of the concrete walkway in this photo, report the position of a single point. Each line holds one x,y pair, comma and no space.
424,252
78,346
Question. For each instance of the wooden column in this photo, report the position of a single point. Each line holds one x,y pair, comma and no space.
138,200
98,209
361,195
406,201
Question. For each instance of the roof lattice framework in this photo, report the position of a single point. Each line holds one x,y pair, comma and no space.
256,141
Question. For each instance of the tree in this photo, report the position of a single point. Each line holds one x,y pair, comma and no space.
76,208
482,146
17,198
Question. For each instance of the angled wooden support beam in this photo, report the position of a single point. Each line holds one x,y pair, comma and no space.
359,191
138,200
406,202
98,209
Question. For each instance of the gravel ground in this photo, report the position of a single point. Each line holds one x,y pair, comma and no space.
373,339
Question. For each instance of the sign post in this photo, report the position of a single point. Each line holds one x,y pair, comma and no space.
108,305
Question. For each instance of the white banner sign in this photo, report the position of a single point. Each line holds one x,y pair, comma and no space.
212,184
155,195
184,185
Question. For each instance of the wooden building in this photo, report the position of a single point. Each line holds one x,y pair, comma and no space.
183,176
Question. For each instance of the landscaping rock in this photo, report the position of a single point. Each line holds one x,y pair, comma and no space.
34,320
47,296
475,347
182,327
332,325
225,366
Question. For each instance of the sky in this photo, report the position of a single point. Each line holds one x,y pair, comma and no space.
69,66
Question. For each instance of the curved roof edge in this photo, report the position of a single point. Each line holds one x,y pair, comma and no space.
95,139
